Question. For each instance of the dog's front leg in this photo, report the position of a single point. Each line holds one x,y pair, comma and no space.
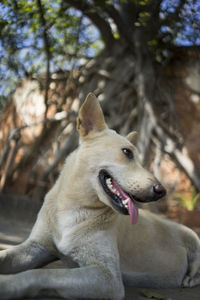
90,282
27,255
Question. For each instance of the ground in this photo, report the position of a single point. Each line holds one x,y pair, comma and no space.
16,219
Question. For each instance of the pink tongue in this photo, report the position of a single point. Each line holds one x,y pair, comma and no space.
133,212
132,208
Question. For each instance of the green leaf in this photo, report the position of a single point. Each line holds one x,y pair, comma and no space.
152,295
195,199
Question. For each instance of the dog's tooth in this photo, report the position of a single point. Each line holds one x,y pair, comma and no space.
109,184
108,181
125,201
118,194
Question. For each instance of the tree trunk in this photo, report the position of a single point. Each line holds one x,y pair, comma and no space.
128,86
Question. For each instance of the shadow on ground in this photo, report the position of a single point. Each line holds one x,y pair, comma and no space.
16,219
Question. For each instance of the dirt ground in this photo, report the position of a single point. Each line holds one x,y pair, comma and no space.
16,220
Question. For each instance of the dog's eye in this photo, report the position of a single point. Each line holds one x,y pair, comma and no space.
128,153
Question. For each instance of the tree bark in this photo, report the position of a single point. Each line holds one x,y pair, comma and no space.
100,22
47,53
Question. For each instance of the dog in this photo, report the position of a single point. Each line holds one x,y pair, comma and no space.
90,221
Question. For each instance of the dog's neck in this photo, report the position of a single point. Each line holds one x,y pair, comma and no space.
72,189
87,215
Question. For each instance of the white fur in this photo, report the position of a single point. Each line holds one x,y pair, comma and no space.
79,224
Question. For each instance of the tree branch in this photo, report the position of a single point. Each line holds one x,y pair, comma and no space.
69,146
13,146
183,161
124,31
47,52
100,22
15,135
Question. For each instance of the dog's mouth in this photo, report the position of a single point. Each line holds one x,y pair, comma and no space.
121,200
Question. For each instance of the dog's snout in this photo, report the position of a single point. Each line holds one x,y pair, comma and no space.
159,190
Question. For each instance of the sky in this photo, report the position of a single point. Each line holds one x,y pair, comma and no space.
28,55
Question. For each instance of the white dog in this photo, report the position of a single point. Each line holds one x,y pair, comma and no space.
84,222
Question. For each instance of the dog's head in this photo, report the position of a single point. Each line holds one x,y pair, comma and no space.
112,164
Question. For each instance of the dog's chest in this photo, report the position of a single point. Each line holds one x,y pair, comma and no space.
76,228
73,229
67,230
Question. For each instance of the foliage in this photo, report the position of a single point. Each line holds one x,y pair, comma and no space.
22,47
189,202
152,295
72,31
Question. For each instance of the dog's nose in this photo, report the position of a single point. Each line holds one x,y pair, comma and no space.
159,190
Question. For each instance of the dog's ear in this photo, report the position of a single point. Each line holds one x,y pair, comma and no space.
132,137
90,118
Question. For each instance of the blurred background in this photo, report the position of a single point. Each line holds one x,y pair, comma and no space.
142,60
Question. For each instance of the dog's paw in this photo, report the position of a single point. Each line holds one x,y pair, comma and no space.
191,281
